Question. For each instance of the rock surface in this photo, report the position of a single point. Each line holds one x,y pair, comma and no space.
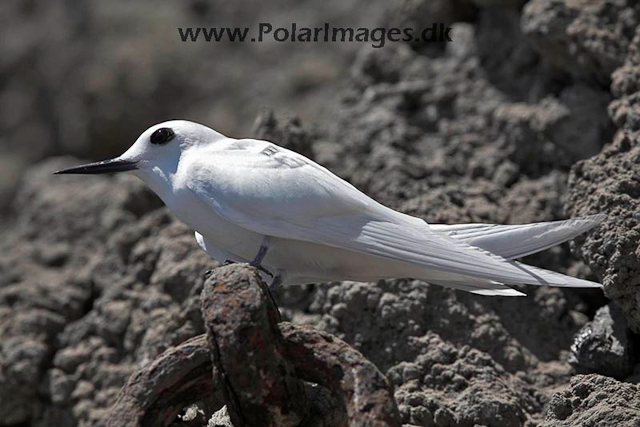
597,401
252,373
609,182
97,279
605,345
589,39
267,372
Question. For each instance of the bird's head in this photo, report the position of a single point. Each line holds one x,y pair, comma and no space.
159,146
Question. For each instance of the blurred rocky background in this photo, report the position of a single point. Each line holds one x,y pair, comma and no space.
532,113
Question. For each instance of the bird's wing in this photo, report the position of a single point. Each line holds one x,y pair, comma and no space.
276,192
516,241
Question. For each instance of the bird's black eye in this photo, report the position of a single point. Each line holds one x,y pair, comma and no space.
162,136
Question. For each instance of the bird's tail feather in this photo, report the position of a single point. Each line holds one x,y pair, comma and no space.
480,288
539,277
516,241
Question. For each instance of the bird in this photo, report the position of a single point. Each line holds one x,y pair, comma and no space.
252,201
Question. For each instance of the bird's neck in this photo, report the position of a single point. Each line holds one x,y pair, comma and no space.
161,179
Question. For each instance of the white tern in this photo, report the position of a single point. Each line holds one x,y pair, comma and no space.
252,201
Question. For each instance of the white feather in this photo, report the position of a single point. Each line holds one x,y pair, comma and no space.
516,241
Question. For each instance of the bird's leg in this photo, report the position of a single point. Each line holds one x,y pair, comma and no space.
276,282
262,252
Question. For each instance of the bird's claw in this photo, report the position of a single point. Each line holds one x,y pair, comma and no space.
276,282
264,270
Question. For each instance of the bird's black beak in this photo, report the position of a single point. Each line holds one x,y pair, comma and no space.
105,166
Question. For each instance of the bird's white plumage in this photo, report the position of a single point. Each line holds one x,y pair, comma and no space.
516,241
234,193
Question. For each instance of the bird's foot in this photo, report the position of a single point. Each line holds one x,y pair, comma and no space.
209,272
272,289
276,282
229,262
264,270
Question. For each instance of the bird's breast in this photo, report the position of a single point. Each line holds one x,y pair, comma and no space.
202,218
